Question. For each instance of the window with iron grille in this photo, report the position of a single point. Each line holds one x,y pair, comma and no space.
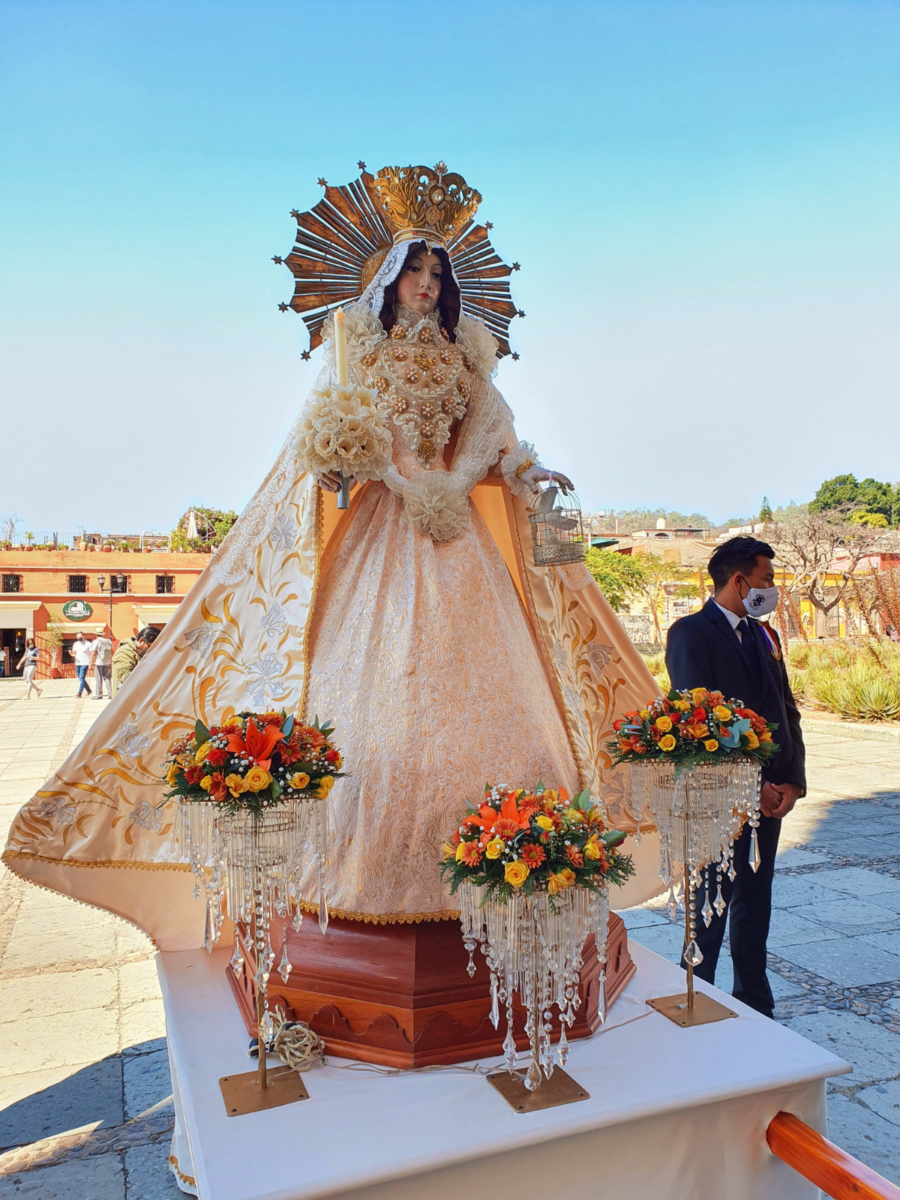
78,583
116,586
165,585
12,583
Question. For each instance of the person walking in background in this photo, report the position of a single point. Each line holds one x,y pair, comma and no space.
30,659
725,649
81,653
130,653
101,662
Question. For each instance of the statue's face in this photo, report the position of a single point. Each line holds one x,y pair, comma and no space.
419,285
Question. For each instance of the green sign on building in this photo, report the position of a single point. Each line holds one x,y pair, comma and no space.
77,610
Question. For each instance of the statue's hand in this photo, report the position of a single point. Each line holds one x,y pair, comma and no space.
331,481
537,475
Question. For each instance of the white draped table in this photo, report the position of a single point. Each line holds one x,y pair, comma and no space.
673,1114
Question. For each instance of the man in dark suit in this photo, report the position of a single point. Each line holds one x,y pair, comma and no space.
723,648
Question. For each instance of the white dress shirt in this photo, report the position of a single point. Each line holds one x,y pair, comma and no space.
738,624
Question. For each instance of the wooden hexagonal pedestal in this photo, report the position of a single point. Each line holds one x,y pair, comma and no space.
400,995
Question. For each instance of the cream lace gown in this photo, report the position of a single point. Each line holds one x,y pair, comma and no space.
422,654
405,628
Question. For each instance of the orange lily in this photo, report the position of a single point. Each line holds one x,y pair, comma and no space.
257,744
507,822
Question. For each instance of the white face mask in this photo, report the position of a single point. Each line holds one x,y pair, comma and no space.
760,601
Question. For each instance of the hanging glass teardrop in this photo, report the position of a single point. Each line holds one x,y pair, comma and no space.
533,1078
672,904
323,912
509,1049
732,873
284,967
693,954
706,911
754,858
562,1048
298,918
210,935
237,960
495,1005
719,902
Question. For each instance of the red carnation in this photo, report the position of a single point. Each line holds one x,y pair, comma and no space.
217,757
699,714
332,756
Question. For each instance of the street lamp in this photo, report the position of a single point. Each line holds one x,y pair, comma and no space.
101,580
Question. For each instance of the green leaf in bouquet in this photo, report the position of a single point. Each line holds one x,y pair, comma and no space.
583,801
539,786
288,727
201,733
276,789
613,837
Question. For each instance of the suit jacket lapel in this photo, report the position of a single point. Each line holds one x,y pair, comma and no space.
723,625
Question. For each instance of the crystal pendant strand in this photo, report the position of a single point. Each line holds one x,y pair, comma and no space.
249,868
534,947
699,811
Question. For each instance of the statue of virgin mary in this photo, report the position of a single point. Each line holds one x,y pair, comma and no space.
416,621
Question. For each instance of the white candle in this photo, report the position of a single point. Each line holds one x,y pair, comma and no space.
340,347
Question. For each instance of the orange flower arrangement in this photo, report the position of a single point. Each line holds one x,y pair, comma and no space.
540,840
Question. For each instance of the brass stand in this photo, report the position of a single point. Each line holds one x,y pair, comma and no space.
254,1091
690,1008
560,1088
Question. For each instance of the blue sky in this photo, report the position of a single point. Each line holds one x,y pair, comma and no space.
703,197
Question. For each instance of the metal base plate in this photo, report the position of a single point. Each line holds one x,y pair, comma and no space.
704,1012
560,1088
242,1093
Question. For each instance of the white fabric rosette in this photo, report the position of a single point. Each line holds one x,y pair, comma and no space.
343,429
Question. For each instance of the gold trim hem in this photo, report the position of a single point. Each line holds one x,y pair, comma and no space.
444,914
188,1179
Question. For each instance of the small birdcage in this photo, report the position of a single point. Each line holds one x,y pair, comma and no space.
557,534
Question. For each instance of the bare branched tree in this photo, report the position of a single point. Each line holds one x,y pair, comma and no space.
822,551
8,528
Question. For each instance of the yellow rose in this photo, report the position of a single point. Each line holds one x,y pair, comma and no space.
495,847
721,713
448,850
683,705
236,784
667,742
327,782
766,737
711,745
172,774
460,850
206,782
232,723
644,714
299,780
257,778
202,751
516,873
663,724
591,849
544,821
559,882
572,814
698,695
752,740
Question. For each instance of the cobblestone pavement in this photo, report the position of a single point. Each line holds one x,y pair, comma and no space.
85,1099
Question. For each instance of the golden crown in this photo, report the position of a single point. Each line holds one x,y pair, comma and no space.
425,202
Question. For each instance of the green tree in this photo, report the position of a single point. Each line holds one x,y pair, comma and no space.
620,576
765,512
845,492
220,520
